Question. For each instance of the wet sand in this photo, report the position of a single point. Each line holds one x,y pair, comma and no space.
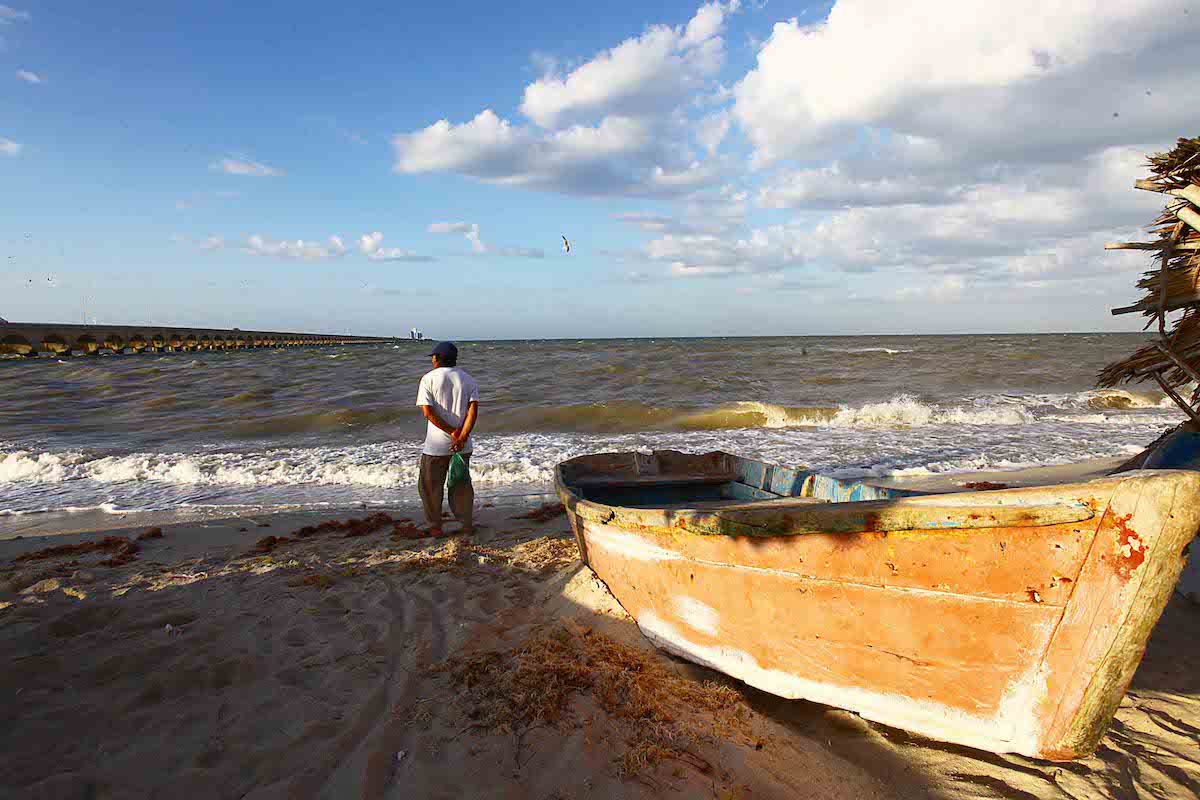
325,668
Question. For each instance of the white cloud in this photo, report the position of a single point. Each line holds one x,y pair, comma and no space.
398,254
257,245
370,242
613,125
658,223
477,244
652,223
517,252
842,184
451,227
682,270
486,147
1024,78
30,77
610,158
662,67
707,255
1041,225
694,176
888,169
371,245
235,166
470,232
467,229
9,148
712,130
948,289
722,210
8,15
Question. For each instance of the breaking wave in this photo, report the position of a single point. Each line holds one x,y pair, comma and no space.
1124,399
902,411
379,466
626,417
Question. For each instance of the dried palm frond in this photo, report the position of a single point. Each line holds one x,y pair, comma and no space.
1184,341
1173,284
1179,166
1183,285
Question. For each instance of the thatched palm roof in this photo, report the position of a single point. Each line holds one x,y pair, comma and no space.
1179,167
1174,283
1151,359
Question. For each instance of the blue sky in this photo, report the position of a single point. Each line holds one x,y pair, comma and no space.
721,169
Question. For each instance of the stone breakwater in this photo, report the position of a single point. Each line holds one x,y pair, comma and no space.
33,339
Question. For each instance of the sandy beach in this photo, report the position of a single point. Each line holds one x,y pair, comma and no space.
344,660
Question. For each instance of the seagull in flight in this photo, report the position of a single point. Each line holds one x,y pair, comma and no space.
566,244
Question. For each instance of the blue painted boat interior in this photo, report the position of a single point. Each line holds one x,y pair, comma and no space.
755,481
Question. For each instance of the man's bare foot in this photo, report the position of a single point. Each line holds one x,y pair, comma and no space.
435,532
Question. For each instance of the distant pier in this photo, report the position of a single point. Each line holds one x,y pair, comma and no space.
32,339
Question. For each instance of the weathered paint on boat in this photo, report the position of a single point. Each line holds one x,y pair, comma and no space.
1010,620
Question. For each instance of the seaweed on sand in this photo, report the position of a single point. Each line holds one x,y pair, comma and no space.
268,543
659,714
314,579
405,528
547,553
544,513
123,551
349,529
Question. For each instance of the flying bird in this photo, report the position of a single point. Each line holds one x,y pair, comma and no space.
566,245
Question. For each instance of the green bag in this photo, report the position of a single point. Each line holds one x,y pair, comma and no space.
457,473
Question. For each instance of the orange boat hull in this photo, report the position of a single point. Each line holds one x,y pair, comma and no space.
1010,621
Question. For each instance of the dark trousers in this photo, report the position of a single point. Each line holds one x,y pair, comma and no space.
432,483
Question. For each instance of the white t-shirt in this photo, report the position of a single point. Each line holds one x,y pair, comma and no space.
450,391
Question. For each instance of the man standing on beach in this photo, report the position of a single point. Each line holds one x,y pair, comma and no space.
449,398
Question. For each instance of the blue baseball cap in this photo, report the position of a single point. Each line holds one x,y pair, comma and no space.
445,350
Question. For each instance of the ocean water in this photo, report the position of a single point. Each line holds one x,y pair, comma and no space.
338,427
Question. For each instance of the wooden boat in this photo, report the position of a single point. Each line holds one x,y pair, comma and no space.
1010,620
